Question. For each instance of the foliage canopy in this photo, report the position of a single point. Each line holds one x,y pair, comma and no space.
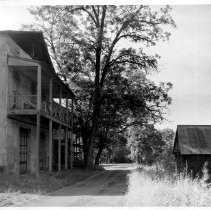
99,52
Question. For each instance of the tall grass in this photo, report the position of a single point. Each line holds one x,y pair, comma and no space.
152,186
16,190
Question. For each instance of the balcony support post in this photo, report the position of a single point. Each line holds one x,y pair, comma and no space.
59,140
50,153
59,152
38,119
60,95
66,149
39,88
38,146
71,141
66,138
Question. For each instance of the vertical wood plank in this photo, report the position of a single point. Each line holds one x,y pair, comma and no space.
71,142
38,119
66,137
50,93
39,96
59,154
50,145
50,152
60,95
38,146
59,140
66,149
67,103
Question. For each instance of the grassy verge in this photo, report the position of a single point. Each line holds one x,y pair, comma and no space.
152,186
14,191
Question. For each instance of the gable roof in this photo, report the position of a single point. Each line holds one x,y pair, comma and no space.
193,139
33,43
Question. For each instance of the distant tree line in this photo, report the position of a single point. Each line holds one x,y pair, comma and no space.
149,145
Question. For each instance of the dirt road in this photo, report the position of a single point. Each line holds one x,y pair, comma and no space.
105,188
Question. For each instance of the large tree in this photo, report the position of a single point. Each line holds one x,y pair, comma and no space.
89,44
130,101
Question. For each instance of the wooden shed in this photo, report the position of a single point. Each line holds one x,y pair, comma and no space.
192,148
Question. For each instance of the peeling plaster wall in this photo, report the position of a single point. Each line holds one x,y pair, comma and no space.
13,139
9,129
24,85
13,146
4,49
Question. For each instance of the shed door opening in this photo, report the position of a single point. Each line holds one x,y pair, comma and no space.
24,136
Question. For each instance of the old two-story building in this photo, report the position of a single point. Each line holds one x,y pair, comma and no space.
36,107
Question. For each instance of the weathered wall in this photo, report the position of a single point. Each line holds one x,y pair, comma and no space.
4,48
24,85
13,146
9,129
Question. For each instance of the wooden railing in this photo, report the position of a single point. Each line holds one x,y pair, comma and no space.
26,102
61,113
20,102
46,107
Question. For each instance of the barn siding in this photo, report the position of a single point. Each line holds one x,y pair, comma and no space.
193,164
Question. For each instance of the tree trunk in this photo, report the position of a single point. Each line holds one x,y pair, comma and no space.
97,89
137,157
85,146
97,158
96,113
85,157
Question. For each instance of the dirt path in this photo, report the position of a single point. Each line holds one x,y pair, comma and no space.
106,188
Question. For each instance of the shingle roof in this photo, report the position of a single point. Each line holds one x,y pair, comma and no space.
193,139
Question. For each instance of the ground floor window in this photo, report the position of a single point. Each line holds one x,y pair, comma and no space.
24,136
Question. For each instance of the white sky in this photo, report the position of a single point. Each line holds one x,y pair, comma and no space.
185,62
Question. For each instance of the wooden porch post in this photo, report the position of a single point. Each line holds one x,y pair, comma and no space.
59,151
39,87
59,143
38,119
66,138
66,150
50,126
71,142
38,146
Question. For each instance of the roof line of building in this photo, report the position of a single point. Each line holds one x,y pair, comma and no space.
49,62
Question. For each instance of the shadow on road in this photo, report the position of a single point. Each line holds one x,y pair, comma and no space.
111,182
105,188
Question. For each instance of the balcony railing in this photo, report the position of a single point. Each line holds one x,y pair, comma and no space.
29,102
20,102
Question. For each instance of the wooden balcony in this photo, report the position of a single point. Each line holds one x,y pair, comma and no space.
27,105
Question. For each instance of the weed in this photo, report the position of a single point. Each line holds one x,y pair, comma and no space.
14,190
153,186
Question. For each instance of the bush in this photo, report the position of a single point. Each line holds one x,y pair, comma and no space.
166,160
